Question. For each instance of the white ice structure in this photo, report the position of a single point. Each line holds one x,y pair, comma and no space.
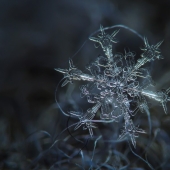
115,78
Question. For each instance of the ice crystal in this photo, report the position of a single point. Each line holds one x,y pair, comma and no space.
116,80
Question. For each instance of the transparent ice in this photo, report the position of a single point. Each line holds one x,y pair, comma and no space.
115,78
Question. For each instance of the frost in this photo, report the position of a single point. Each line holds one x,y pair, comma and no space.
113,84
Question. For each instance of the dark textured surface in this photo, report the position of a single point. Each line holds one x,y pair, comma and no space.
38,36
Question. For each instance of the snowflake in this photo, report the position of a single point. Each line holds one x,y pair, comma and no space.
116,80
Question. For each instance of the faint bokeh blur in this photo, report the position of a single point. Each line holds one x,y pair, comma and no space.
38,36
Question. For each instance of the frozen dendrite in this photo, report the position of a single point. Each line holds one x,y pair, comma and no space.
114,84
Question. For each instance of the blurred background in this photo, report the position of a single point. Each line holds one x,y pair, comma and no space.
38,36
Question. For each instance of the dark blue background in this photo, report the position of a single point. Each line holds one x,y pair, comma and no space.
37,36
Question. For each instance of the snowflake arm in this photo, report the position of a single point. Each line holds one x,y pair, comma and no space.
160,96
131,130
85,119
106,40
74,74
